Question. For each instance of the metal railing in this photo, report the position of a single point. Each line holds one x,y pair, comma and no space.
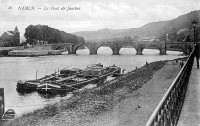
168,110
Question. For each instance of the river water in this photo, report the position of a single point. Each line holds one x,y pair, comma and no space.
13,69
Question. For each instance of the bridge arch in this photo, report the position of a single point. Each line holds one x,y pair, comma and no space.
60,47
93,47
127,49
106,47
152,46
176,48
81,49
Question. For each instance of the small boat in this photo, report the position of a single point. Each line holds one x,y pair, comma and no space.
8,115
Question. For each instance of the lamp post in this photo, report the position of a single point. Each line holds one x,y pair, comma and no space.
194,24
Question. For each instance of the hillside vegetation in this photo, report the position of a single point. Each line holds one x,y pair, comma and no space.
153,29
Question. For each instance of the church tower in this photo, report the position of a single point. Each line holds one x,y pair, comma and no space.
16,34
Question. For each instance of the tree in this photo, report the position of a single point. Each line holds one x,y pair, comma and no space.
136,38
51,35
30,34
182,34
172,36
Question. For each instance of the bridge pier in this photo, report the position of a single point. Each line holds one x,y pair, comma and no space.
72,49
72,52
93,47
163,51
115,52
93,52
116,48
139,51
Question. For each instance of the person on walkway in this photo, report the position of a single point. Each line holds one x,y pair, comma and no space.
181,64
197,51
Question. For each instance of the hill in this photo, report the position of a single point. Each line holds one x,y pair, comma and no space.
153,29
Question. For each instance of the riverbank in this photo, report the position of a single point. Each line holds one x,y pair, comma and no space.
108,104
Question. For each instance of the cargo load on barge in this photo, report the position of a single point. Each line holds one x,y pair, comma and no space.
68,80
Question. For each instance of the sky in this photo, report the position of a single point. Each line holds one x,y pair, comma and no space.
90,15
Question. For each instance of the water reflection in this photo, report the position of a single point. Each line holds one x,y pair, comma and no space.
104,50
127,51
24,92
83,52
150,52
50,96
174,53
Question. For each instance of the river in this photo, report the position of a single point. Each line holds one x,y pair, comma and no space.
13,69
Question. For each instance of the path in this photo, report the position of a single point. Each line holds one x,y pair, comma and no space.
190,114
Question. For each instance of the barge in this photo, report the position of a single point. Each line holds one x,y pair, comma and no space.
31,85
90,75
68,80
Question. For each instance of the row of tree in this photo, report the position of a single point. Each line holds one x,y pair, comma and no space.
50,35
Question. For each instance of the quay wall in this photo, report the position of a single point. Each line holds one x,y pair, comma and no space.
38,50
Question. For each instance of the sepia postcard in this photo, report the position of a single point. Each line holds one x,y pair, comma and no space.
98,62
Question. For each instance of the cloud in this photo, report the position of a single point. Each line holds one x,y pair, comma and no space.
161,12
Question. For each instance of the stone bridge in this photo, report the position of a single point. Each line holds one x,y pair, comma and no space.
139,46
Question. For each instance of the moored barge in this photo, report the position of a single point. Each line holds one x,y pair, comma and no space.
94,74
69,80
31,85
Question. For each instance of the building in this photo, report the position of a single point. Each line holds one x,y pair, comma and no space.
149,39
10,38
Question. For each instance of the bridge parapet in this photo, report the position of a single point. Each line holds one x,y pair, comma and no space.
179,46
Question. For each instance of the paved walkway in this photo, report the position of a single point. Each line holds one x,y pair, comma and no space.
190,114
